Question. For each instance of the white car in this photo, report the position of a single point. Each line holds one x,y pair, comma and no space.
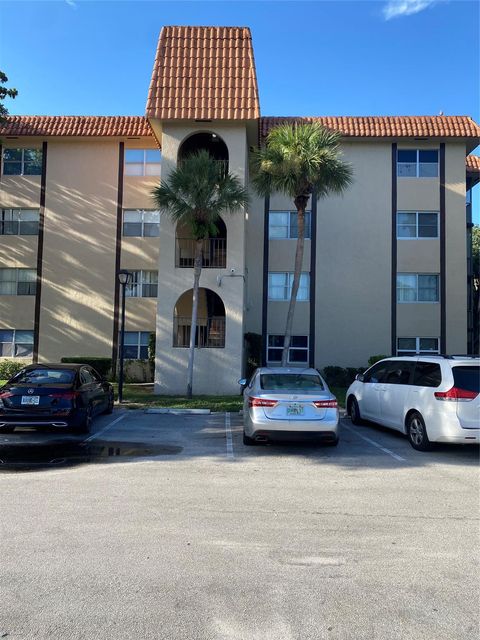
286,403
429,398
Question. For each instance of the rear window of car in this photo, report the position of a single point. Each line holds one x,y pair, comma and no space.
290,381
45,376
467,378
427,374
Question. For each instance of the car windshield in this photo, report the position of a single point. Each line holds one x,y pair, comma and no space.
290,381
467,378
44,376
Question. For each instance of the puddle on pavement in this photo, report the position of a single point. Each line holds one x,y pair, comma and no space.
30,457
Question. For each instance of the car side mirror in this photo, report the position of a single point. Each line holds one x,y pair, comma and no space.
359,377
243,382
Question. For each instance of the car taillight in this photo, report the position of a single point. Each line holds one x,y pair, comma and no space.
456,394
326,404
64,395
6,394
261,402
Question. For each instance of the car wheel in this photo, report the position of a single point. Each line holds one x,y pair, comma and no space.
7,429
109,408
85,425
249,442
354,411
417,433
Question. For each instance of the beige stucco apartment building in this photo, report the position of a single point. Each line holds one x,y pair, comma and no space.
386,265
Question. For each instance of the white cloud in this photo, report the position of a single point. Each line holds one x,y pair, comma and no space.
398,8
72,3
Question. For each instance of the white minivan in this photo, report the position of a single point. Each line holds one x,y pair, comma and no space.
429,398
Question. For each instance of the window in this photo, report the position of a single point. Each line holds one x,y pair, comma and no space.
417,224
86,376
397,372
376,373
280,286
19,222
417,163
136,345
417,346
16,343
22,162
144,285
142,162
427,374
283,224
417,287
18,282
298,351
141,223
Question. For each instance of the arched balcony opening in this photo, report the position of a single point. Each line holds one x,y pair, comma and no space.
210,331
214,255
210,142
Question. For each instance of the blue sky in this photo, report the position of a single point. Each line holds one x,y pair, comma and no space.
313,58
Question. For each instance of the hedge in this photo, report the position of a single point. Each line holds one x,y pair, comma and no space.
102,365
9,368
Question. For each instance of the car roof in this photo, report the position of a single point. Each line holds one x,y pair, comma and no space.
436,358
279,370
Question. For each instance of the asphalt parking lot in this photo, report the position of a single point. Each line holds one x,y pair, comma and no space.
161,526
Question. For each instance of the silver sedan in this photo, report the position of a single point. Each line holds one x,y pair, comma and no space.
288,404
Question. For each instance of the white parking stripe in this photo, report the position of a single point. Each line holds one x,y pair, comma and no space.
375,444
228,435
109,426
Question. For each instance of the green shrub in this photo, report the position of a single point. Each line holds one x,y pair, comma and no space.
373,359
102,365
151,352
335,376
253,342
351,372
9,368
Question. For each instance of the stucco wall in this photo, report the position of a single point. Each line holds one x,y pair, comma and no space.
171,362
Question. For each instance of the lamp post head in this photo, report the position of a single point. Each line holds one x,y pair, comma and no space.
124,276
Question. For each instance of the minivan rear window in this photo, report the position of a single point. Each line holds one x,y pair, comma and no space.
467,378
44,376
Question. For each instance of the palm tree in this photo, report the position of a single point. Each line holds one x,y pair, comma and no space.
299,160
194,195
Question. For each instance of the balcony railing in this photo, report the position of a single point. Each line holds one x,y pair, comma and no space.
214,253
210,332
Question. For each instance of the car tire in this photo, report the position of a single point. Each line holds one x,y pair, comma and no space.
249,442
417,432
109,408
354,411
86,424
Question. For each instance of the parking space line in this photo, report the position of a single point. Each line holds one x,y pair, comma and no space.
109,426
228,435
375,444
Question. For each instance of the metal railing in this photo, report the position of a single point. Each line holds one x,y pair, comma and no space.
210,332
214,253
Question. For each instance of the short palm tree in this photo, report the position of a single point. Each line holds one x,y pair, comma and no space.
194,195
299,160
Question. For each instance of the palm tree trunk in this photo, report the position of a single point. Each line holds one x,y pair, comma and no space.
197,270
300,203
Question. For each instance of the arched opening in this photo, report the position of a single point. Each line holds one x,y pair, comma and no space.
214,248
210,331
210,142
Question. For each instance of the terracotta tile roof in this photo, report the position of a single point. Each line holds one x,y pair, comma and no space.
473,164
204,73
98,126
388,126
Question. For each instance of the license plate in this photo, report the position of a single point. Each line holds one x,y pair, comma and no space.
30,399
295,409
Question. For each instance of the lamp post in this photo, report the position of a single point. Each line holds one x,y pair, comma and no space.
124,278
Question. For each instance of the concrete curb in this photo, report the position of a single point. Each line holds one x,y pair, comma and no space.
179,412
